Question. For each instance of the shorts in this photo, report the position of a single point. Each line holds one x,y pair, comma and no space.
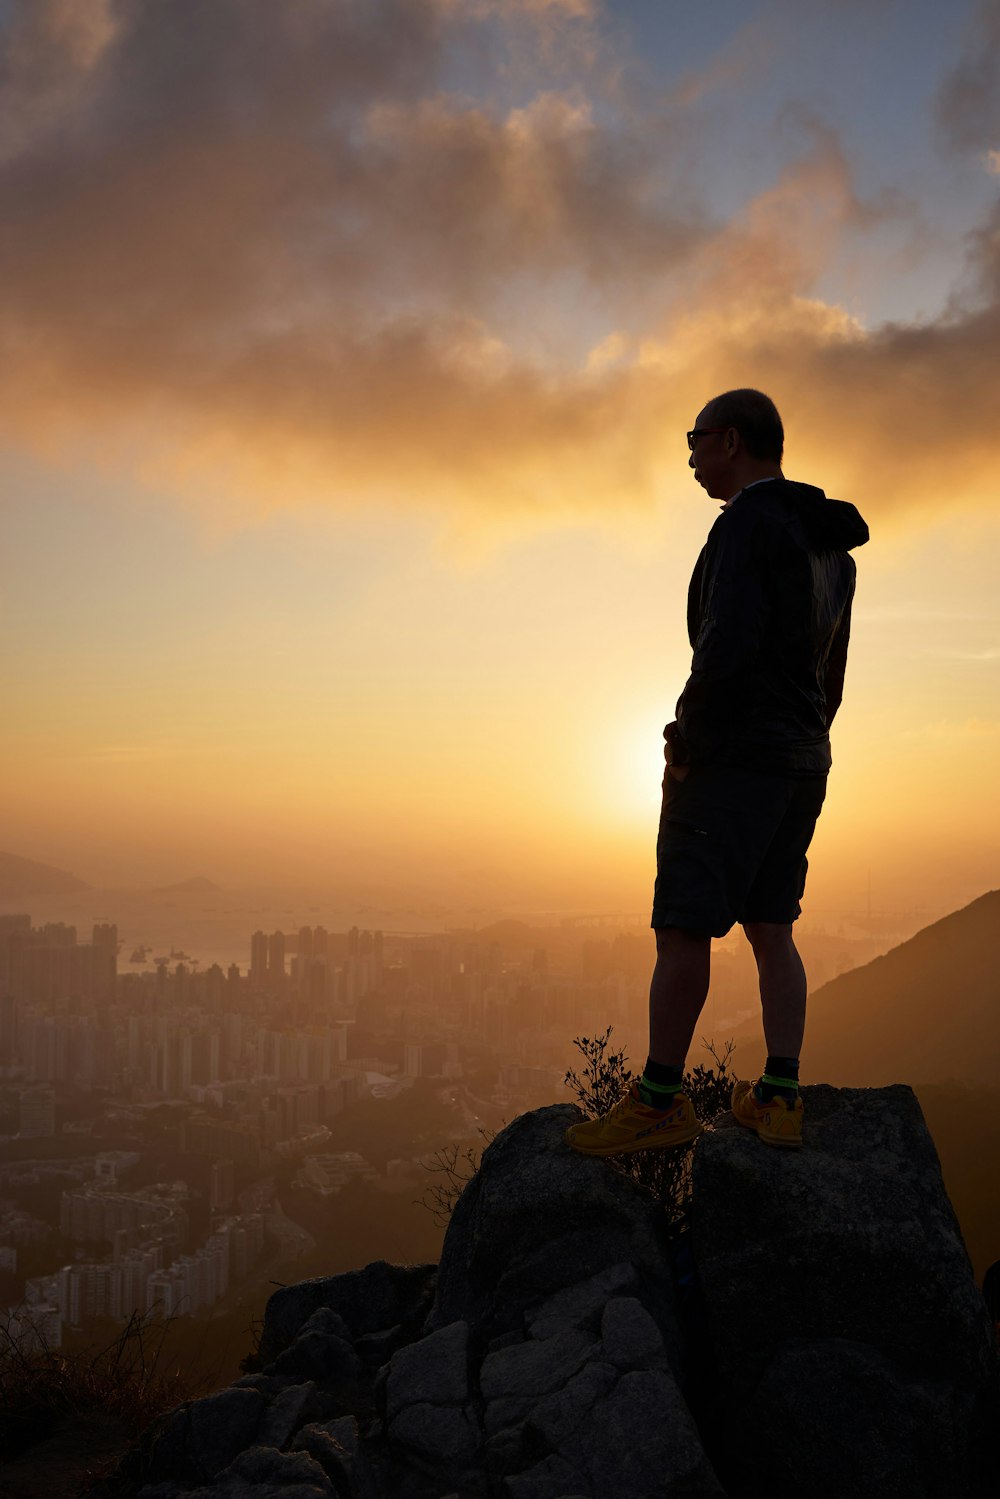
731,847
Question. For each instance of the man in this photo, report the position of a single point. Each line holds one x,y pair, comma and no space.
769,610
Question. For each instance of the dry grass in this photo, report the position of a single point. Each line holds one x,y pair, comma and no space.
125,1382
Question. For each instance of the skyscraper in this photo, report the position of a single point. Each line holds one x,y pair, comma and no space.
258,960
276,959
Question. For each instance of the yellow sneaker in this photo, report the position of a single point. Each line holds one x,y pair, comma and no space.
777,1123
632,1125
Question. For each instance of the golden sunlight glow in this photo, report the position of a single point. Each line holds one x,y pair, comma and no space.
349,519
628,770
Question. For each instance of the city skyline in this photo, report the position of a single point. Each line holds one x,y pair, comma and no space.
170,1135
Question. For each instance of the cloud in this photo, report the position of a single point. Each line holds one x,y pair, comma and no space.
968,101
288,253
582,9
276,241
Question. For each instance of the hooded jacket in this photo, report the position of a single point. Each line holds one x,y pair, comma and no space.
769,619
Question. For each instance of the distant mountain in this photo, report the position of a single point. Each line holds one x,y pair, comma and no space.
510,932
925,1012
197,886
25,877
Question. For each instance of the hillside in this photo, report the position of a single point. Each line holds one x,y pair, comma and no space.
925,1012
19,877
197,886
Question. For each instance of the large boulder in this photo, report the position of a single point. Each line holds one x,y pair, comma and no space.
200,1438
366,1302
258,1473
555,1289
818,1330
538,1219
852,1350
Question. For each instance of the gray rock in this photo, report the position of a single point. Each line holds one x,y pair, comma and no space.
433,1370
344,1431
319,1356
325,1319
849,1243
506,1411
559,1262
535,1368
445,1438
264,1473
853,1236
551,1478
500,1255
849,1421
199,1440
368,1300
508,1339
640,1440
507,1450
558,1416
630,1337
320,1443
430,1422
222,1425
259,1473
376,1348
286,1413
269,1385
581,1305
367,1475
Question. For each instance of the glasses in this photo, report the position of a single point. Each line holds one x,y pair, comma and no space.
697,432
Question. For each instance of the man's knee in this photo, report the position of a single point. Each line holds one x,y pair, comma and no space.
768,936
678,936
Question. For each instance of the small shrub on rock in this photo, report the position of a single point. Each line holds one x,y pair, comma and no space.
605,1077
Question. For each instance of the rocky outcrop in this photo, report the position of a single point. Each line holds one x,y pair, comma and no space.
818,1327
851,1348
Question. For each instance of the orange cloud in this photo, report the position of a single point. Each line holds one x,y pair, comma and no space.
274,253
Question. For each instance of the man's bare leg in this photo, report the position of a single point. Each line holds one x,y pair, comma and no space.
677,993
782,981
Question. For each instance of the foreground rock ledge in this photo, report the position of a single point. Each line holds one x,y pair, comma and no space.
819,1327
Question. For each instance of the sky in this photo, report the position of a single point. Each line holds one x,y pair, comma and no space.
349,350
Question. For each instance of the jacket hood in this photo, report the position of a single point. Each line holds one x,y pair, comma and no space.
830,525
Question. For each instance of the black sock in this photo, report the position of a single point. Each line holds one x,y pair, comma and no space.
780,1080
660,1084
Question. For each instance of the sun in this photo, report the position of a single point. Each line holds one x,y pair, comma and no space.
628,768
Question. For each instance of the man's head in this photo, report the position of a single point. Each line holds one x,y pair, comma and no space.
736,439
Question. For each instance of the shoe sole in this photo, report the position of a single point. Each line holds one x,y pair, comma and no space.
604,1150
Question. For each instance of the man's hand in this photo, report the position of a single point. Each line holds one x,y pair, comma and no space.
670,749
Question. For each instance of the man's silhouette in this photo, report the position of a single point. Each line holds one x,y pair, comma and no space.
769,610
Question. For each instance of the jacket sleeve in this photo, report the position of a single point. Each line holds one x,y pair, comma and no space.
836,662
731,617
